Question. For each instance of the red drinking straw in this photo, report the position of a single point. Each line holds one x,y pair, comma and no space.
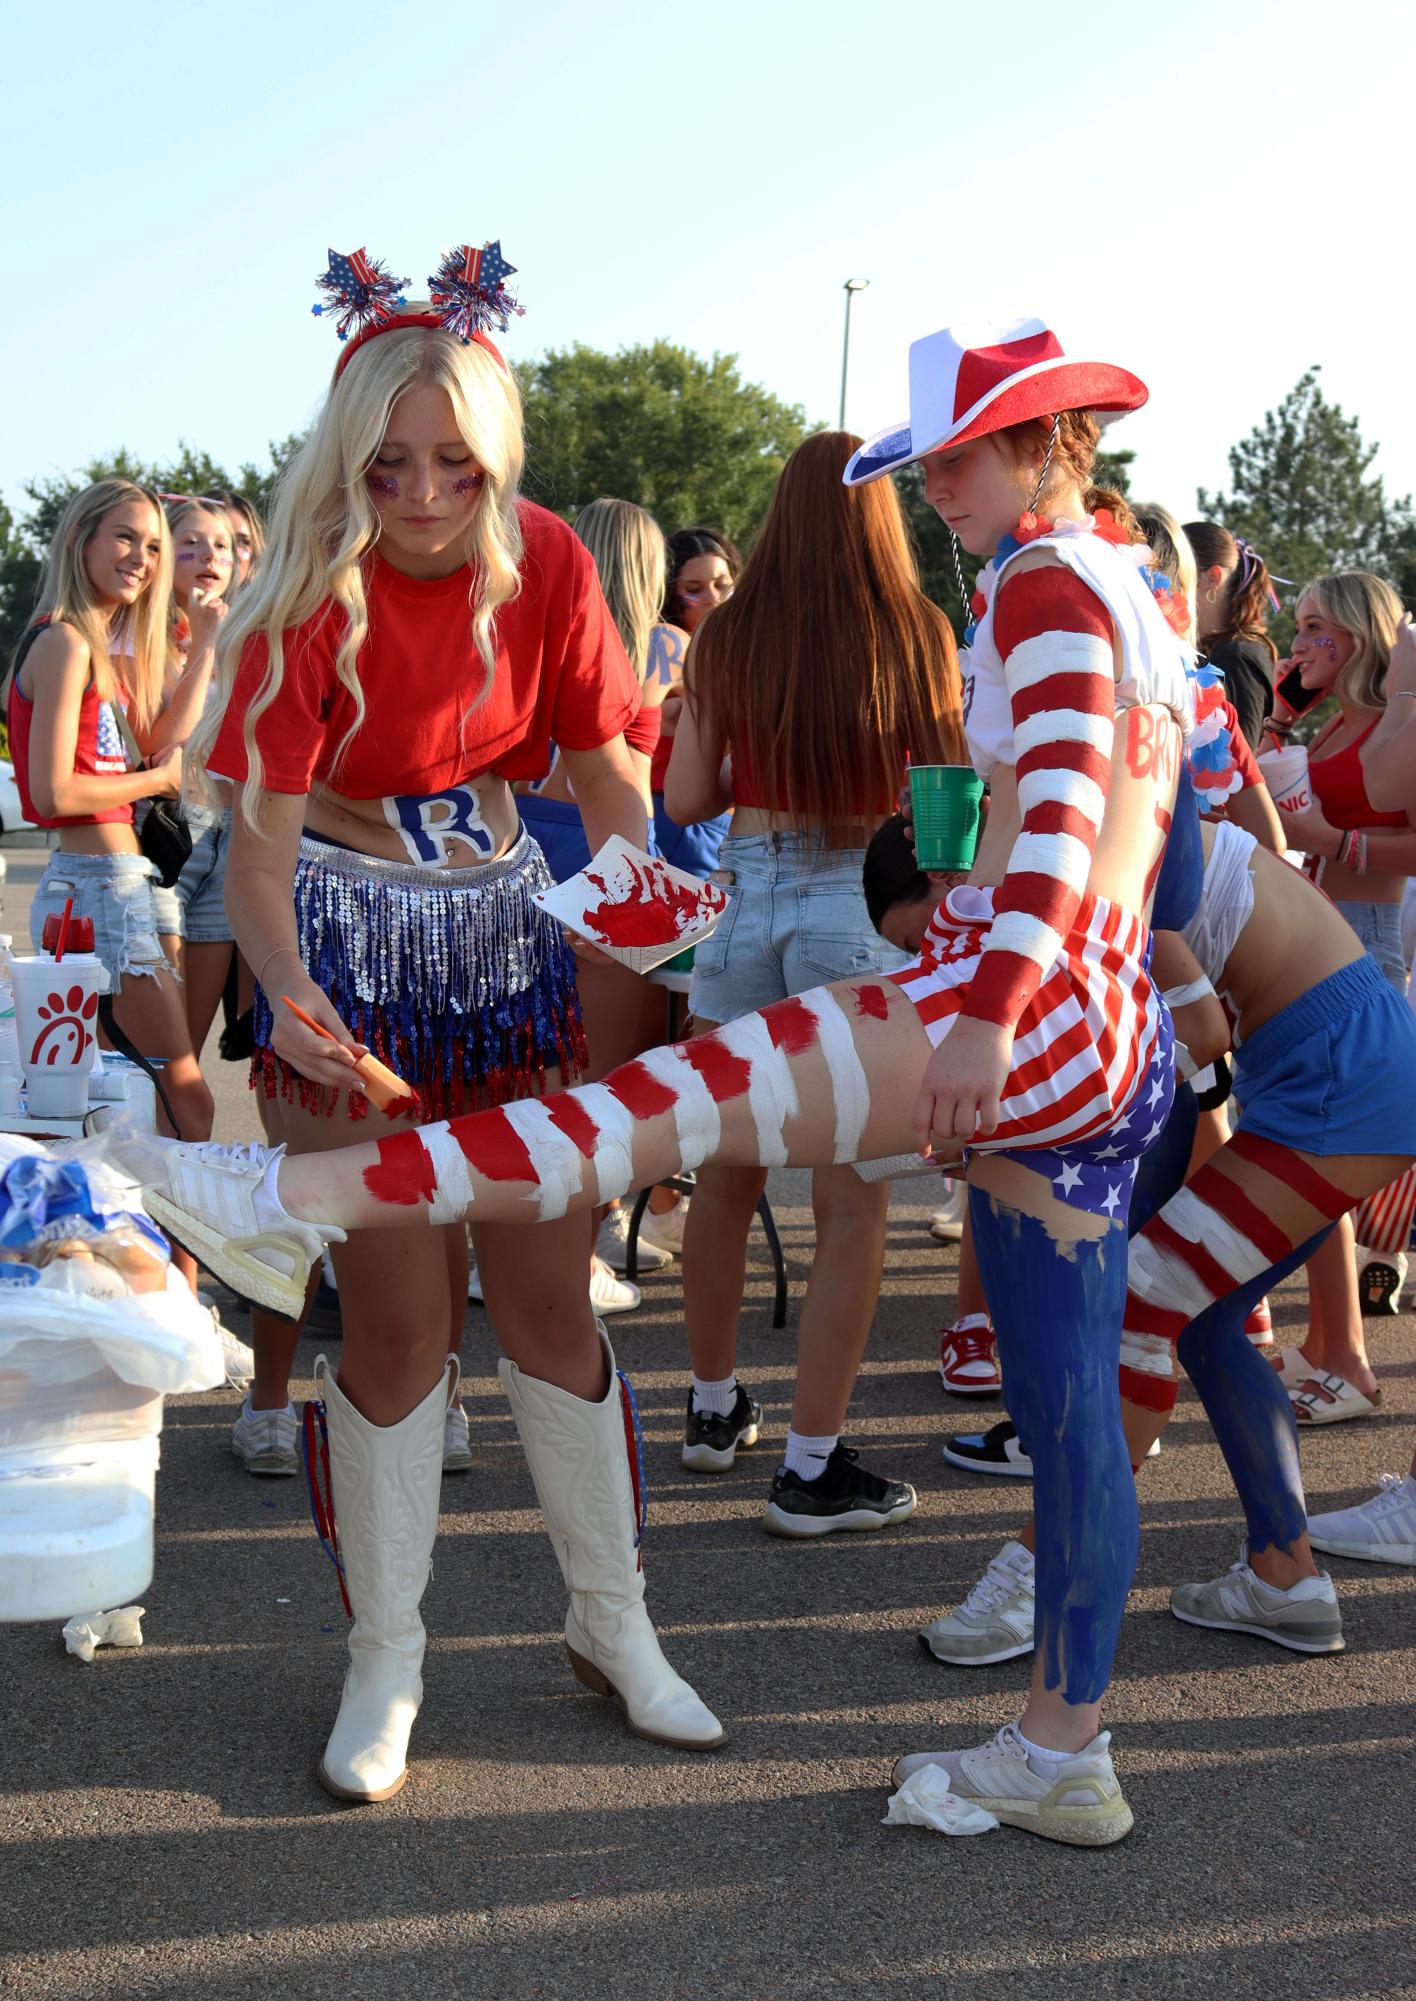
63,937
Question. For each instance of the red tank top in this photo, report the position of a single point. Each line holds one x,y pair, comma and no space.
98,748
1340,788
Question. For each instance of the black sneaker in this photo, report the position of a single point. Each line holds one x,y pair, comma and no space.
843,1496
993,1451
710,1441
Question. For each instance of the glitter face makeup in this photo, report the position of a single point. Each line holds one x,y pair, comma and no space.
468,485
383,486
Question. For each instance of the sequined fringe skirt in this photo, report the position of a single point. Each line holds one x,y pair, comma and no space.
453,977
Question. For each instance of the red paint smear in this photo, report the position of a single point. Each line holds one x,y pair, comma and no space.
661,911
792,1026
569,1116
403,1172
872,1003
494,1147
640,1091
727,1076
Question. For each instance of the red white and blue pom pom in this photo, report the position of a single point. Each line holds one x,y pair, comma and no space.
469,291
360,291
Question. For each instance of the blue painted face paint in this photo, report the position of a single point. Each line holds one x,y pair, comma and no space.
1248,1407
383,486
1057,1311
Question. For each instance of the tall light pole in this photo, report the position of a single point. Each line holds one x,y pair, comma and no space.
853,285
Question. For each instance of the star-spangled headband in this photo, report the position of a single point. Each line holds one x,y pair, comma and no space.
466,295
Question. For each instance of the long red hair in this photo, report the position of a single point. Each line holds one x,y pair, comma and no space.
829,665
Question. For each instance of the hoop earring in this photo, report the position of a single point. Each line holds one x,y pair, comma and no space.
1212,595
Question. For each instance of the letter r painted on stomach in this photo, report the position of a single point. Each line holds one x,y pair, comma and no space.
432,824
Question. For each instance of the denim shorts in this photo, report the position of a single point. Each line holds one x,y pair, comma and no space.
796,919
195,907
115,891
1378,925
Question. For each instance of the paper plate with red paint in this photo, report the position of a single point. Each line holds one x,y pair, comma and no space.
635,907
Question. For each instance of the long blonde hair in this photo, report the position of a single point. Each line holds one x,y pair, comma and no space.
324,524
67,596
628,547
1368,608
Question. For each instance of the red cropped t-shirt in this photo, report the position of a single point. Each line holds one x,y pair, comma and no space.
561,675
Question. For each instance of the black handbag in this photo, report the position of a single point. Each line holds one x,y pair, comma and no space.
163,834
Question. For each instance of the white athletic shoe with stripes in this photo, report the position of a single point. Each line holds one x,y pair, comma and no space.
219,1203
1379,1530
1075,1799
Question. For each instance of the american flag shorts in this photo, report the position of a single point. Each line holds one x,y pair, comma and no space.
1092,1075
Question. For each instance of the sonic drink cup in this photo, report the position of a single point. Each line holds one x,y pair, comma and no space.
1286,776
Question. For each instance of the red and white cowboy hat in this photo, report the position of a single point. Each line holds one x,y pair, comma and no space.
966,382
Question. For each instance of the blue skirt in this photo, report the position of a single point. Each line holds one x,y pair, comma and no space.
453,977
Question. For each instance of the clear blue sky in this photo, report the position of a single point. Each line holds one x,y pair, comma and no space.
1215,203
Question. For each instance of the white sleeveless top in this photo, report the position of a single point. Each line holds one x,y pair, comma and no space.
1154,661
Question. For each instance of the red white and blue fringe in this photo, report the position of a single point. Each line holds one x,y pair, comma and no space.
452,977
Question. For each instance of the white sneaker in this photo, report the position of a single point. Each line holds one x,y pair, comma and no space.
215,1201
664,1233
457,1446
267,1441
946,1225
1380,1277
608,1294
1380,1530
612,1243
995,1621
1074,1799
239,1359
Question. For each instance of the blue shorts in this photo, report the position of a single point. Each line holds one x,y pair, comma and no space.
796,919
115,891
1335,1071
195,906
558,828
694,849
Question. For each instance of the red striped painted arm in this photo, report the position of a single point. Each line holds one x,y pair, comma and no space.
1055,639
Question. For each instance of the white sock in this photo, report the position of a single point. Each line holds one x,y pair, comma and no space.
717,1398
1041,1751
269,1191
806,1457
969,1320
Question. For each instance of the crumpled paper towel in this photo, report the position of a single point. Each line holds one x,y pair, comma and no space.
924,1800
85,1634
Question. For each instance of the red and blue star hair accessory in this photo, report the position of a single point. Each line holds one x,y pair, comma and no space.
469,291
468,294
361,293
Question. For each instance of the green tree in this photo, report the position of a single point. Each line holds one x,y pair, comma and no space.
685,438
1303,492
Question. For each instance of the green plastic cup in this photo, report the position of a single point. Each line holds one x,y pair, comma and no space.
946,804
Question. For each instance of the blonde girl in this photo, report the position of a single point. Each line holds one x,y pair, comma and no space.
416,637
96,648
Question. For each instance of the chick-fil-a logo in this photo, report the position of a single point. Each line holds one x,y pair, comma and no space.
64,1038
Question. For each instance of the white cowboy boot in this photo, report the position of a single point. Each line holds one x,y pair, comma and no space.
386,1481
578,1453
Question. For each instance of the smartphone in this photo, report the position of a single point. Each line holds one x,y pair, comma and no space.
1294,695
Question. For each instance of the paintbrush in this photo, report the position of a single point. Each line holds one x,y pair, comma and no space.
381,1086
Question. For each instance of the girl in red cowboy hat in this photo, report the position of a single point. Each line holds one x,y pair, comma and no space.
1043,1047
414,639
